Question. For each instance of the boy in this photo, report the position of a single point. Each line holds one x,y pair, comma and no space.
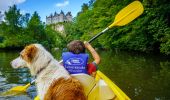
76,60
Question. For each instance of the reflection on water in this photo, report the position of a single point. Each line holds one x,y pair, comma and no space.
140,76
10,77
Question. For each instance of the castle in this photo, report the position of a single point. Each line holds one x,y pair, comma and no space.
52,19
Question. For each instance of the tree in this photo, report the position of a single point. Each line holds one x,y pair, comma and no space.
84,7
91,2
19,30
13,19
55,39
25,19
36,29
72,32
11,29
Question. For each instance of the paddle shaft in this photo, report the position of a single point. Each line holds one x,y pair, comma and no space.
96,36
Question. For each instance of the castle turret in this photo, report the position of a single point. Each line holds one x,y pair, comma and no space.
55,18
61,16
55,13
62,12
69,17
49,19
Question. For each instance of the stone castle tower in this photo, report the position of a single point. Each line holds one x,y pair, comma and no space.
52,19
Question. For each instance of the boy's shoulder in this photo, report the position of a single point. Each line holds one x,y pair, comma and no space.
70,53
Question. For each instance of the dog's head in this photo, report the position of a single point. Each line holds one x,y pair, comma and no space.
34,57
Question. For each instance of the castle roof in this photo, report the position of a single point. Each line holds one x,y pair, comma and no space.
51,15
68,14
55,14
62,12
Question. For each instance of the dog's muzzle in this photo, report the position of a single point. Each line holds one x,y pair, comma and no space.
18,63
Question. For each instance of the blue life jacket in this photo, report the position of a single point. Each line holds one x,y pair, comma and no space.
75,63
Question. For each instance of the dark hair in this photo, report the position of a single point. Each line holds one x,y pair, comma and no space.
76,47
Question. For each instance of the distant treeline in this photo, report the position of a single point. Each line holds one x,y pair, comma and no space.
148,33
19,30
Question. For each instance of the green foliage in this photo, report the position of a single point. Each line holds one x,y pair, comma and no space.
11,29
150,32
12,18
84,7
36,30
72,32
55,38
19,30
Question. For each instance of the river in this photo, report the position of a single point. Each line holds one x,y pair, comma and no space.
141,76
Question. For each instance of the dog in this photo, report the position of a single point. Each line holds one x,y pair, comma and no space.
53,82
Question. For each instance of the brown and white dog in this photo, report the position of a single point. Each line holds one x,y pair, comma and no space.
52,80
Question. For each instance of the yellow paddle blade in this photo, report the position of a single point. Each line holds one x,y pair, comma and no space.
16,90
20,88
128,14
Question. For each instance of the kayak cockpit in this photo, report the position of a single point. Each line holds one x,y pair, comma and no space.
95,90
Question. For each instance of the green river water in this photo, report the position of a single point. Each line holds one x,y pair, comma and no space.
140,76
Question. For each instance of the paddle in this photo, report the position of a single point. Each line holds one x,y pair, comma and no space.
126,15
123,17
16,90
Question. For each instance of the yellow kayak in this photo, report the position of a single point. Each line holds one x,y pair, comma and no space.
100,87
117,93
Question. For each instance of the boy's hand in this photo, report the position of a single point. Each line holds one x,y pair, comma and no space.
86,44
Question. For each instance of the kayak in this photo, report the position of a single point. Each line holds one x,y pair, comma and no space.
119,94
99,88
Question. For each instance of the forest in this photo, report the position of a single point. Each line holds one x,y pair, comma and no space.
148,33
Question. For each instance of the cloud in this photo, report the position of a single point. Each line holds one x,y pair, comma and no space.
63,4
4,4
19,1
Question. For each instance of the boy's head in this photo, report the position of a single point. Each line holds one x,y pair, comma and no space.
76,47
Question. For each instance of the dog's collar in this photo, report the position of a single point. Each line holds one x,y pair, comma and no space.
42,69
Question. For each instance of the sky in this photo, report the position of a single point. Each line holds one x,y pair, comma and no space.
44,7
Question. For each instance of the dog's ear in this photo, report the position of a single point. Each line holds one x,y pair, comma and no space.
29,53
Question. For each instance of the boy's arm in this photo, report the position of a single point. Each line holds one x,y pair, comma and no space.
95,55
